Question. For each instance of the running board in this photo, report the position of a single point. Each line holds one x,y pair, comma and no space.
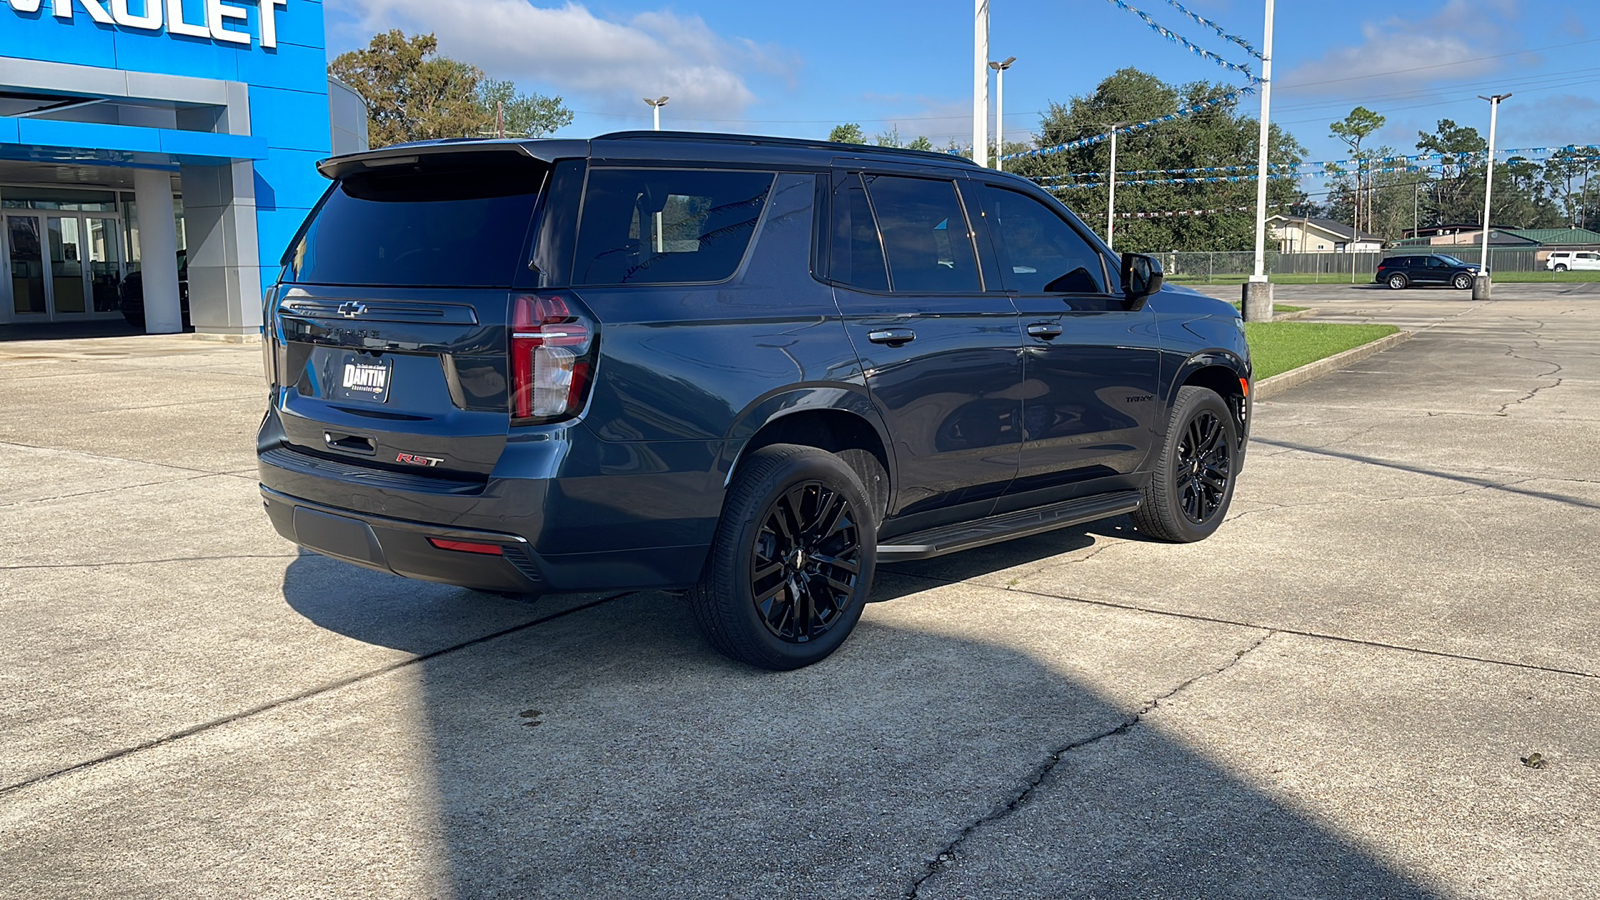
993,530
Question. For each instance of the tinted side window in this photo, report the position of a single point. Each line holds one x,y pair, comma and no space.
855,255
925,234
666,226
1042,254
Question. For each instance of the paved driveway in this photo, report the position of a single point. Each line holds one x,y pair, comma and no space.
1330,698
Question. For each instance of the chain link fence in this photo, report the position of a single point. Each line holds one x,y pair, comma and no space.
1233,267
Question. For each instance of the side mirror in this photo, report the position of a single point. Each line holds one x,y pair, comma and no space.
1141,277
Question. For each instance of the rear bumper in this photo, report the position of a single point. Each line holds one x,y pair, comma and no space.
402,547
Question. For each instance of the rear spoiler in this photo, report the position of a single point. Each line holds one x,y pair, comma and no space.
409,154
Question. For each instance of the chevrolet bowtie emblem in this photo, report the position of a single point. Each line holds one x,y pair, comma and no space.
350,309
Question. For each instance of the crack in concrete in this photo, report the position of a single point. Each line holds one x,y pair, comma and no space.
947,856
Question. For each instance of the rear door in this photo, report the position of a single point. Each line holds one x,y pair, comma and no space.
940,355
391,317
1090,392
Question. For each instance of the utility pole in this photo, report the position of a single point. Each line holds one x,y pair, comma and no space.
999,110
500,119
1416,200
655,107
980,83
1257,305
1482,284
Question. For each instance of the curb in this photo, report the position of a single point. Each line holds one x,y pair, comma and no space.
1306,313
1277,384
252,338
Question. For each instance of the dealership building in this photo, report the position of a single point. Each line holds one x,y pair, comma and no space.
175,141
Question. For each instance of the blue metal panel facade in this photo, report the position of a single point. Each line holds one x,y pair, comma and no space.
288,127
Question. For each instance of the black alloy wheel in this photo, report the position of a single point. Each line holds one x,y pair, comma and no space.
1397,281
1204,467
806,562
1191,485
792,561
1463,281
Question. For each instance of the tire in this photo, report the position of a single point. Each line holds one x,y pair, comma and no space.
792,561
1463,282
1561,267
1188,494
1398,281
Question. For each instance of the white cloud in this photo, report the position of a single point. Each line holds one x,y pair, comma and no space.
603,64
1459,41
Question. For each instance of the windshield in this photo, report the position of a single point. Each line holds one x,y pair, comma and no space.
444,222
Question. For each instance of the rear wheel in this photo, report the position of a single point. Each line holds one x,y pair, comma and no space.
1188,493
1463,281
792,561
1397,281
1561,267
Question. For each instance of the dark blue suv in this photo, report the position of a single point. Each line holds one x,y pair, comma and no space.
747,369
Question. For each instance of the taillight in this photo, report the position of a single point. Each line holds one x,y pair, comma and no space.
552,355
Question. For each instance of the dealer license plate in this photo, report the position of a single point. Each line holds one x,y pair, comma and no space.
362,377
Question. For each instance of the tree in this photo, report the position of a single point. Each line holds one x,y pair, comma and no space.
1566,177
1458,190
1353,129
525,115
890,138
413,94
1216,136
848,133
921,143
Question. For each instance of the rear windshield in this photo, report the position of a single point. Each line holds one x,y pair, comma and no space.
444,222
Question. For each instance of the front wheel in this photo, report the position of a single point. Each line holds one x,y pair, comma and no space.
1463,281
1397,281
1189,490
792,561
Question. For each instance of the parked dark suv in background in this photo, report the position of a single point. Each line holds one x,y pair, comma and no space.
1401,272
744,368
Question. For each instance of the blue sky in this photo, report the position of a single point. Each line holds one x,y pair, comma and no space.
798,69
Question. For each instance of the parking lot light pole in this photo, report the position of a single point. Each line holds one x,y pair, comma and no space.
1482,284
1257,300
655,108
1111,182
980,83
999,110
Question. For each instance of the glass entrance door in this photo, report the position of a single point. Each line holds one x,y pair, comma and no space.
67,280
62,267
26,253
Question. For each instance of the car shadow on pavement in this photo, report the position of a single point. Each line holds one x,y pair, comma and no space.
605,751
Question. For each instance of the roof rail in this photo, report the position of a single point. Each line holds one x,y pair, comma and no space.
763,140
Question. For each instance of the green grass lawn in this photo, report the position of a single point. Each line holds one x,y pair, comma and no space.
1277,347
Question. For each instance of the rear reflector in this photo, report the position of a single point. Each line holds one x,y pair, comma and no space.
468,547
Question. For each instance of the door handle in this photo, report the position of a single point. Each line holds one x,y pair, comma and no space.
892,336
1045,331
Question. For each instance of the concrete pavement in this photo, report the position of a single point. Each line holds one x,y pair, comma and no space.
1330,698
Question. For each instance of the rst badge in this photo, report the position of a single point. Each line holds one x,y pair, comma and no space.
361,377
412,459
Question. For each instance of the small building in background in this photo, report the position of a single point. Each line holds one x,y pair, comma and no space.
1309,234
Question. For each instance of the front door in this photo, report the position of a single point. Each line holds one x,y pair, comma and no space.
63,268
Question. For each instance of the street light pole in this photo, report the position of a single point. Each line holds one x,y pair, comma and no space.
655,108
980,83
1257,299
999,109
1481,285
1111,181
